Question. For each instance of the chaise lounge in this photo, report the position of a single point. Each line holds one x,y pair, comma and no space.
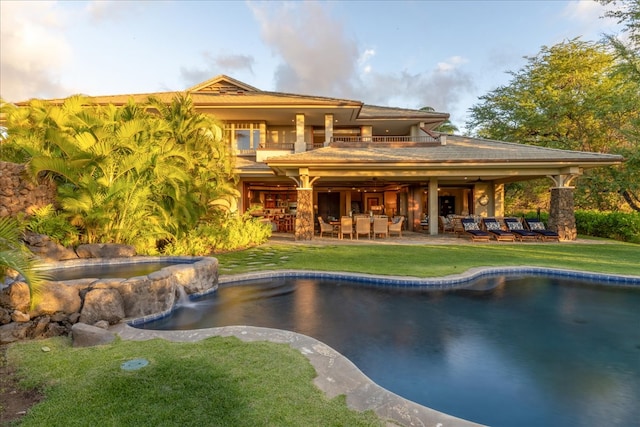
517,228
495,229
537,227
473,230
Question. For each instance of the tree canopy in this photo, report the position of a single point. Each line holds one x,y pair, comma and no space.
575,96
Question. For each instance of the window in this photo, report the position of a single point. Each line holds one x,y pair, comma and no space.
244,136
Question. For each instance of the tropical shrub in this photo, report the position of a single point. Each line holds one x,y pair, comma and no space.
233,232
46,220
612,225
135,174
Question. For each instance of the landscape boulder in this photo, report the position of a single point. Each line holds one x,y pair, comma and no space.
84,335
102,250
56,297
102,304
16,296
46,249
12,332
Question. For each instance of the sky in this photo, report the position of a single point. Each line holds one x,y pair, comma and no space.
407,54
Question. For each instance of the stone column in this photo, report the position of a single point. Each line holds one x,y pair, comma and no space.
562,218
304,215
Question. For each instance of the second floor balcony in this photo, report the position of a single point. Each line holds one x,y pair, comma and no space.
343,141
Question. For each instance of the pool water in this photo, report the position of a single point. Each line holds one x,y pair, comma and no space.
104,271
508,351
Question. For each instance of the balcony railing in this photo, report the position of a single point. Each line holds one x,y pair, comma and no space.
347,141
426,139
277,146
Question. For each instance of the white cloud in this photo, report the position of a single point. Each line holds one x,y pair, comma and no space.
441,88
451,64
33,50
103,10
363,60
583,11
590,17
317,56
218,64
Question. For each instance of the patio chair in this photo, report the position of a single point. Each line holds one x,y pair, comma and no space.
473,231
517,228
380,227
538,227
493,227
396,225
458,229
444,224
346,227
325,227
363,226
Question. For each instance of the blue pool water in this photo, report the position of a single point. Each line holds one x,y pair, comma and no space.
521,351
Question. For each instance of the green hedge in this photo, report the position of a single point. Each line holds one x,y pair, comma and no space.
612,225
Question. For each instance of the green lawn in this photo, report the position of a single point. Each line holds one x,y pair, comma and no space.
434,260
214,382
225,382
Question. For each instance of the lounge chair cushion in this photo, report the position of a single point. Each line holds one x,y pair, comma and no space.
470,225
515,225
492,225
535,225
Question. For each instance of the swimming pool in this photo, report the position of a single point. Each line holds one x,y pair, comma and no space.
506,351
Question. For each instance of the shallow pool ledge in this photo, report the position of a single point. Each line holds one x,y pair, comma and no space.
337,375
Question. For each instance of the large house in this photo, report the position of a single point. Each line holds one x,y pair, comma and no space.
299,157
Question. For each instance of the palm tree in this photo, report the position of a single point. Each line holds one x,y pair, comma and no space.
446,126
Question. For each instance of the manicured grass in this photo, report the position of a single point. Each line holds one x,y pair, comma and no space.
214,382
434,260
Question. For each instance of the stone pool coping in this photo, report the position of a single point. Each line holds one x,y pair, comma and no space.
336,374
453,281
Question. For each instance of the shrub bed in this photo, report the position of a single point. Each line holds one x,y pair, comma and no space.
612,225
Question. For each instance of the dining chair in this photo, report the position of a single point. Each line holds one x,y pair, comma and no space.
363,226
380,227
346,226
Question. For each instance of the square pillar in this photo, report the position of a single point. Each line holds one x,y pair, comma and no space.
498,200
300,145
304,215
328,129
433,206
562,218
366,133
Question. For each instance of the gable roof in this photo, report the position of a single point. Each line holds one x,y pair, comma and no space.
223,84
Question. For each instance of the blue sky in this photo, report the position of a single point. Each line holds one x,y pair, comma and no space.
443,54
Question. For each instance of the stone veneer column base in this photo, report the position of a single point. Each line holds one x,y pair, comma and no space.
304,214
562,218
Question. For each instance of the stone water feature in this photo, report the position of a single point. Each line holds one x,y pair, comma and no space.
102,301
